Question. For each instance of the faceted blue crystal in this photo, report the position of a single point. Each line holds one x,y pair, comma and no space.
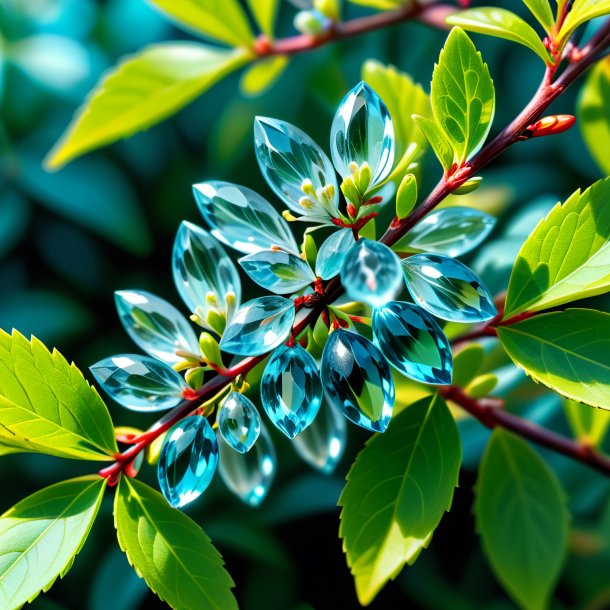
322,444
357,380
155,325
413,342
241,218
447,288
187,461
140,383
278,271
291,389
332,253
239,422
370,273
362,132
258,326
249,475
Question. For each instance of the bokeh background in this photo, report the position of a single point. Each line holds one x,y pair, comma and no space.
107,222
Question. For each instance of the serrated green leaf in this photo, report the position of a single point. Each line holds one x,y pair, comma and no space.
406,197
541,9
47,406
41,535
589,425
567,256
142,90
437,140
263,74
463,97
264,12
566,350
499,22
522,518
581,12
170,551
397,491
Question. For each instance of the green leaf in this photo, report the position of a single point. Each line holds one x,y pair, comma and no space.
466,364
593,112
406,197
41,535
262,75
225,21
567,256
566,351
397,490
589,425
264,12
142,90
384,5
437,139
541,9
47,406
581,12
522,518
463,97
500,23
170,551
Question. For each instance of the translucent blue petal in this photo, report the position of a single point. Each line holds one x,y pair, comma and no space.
258,326
370,273
447,288
287,157
239,422
249,475
140,383
362,132
332,253
188,460
412,341
278,271
450,231
291,389
241,218
357,380
155,325
322,444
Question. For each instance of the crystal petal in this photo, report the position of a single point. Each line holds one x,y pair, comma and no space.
332,253
239,422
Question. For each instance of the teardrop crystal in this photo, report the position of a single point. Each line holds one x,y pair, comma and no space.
413,342
239,422
357,380
447,288
332,253
188,460
291,389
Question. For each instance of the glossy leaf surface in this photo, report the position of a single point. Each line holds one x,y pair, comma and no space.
332,253
277,271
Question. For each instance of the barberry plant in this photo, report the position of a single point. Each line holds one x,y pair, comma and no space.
377,325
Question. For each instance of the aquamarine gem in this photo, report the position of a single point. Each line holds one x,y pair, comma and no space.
412,341
249,475
447,288
188,460
287,157
239,422
258,326
371,273
278,271
362,132
450,231
291,389
332,253
322,444
155,326
140,383
357,380
241,218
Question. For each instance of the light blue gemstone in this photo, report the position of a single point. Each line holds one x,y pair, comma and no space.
450,231
332,253
291,389
278,271
202,270
239,422
447,288
155,326
241,218
188,460
322,444
357,380
249,475
287,157
258,326
412,341
362,131
371,273
140,383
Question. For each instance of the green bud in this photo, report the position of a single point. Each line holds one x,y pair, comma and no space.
406,197
481,386
350,190
363,178
309,22
194,377
329,8
309,250
469,186
210,349
306,202
153,451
